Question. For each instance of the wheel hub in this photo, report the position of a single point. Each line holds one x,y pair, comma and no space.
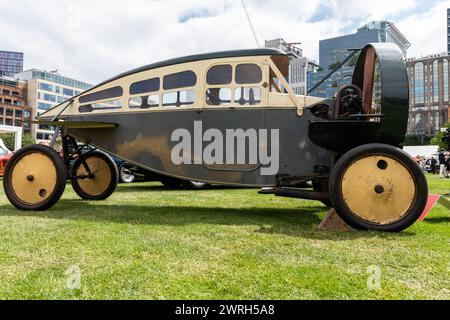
379,189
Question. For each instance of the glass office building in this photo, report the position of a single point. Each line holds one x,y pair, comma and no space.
10,63
46,90
333,51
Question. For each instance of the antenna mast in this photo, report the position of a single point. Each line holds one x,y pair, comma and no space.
251,24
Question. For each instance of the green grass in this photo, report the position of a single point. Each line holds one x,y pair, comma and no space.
149,243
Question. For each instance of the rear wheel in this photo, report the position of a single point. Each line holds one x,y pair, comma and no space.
99,180
378,187
35,178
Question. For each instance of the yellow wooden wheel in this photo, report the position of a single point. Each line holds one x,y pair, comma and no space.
378,187
94,176
34,178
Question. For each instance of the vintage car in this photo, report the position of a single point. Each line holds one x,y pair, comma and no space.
5,156
231,118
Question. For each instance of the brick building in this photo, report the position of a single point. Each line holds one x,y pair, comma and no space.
429,93
13,104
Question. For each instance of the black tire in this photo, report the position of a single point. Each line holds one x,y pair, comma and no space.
172,183
47,171
104,182
195,185
379,186
125,174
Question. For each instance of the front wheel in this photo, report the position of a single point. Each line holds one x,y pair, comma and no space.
378,187
94,176
35,178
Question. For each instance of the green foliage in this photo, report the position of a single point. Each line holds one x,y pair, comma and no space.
9,138
27,139
437,140
416,140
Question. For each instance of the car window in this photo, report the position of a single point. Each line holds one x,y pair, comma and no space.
248,96
218,96
248,73
150,85
180,80
101,95
179,98
219,75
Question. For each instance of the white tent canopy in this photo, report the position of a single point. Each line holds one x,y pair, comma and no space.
17,136
422,151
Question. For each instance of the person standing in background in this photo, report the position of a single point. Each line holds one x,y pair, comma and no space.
447,162
433,165
442,166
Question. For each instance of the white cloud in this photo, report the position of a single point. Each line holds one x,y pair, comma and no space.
427,31
96,39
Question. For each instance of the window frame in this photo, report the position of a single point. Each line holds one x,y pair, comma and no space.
200,68
178,92
233,86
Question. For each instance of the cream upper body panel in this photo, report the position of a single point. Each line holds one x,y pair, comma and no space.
267,98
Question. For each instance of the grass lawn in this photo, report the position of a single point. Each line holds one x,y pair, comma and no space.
149,243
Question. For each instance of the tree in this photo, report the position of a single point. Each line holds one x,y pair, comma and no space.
439,140
9,139
416,140
412,140
334,65
27,139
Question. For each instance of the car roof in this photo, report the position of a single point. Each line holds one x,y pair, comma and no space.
186,59
196,57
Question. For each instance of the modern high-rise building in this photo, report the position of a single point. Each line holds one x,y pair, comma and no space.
333,51
45,90
429,93
298,65
10,63
13,109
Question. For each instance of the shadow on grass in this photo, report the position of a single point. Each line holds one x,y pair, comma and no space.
302,222
437,220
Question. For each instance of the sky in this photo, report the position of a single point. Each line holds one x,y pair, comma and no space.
93,40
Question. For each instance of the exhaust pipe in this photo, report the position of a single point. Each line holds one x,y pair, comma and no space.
302,194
